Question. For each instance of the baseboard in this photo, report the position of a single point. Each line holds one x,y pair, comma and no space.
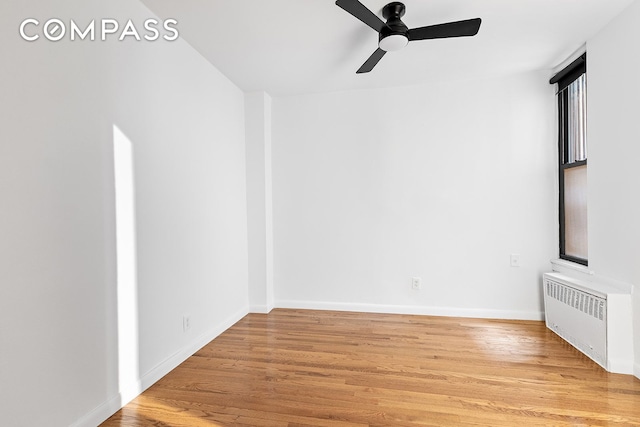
130,392
407,309
101,413
261,309
636,370
176,359
621,366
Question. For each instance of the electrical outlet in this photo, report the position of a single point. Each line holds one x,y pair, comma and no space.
515,260
415,283
186,322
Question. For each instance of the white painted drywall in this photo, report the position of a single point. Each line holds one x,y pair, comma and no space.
258,119
613,59
442,182
62,106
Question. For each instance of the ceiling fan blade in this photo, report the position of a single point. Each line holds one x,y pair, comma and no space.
372,61
468,27
358,10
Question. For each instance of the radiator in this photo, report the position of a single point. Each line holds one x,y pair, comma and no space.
594,318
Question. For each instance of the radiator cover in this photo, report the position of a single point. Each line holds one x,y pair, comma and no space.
593,317
579,317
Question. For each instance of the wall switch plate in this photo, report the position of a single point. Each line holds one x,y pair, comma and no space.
186,322
515,260
416,283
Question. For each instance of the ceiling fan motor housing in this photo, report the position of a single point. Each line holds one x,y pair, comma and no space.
394,35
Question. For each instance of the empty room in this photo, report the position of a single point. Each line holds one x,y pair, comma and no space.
319,213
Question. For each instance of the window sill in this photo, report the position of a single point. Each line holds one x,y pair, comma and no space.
561,265
600,283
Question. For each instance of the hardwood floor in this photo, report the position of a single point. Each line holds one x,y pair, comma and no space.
322,368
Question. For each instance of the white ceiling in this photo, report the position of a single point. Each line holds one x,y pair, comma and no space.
299,46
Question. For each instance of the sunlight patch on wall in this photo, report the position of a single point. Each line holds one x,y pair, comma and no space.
127,288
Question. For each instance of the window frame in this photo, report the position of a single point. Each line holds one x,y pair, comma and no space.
564,78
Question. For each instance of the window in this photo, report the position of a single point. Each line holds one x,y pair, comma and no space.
572,158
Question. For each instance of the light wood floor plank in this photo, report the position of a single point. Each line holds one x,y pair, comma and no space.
338,369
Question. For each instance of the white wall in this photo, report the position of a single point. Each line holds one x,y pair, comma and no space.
613,59
258,120
64,105
443,182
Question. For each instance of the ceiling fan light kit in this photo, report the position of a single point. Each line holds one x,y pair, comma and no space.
393,42
394,34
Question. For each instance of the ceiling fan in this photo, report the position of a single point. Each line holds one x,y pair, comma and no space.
394,34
